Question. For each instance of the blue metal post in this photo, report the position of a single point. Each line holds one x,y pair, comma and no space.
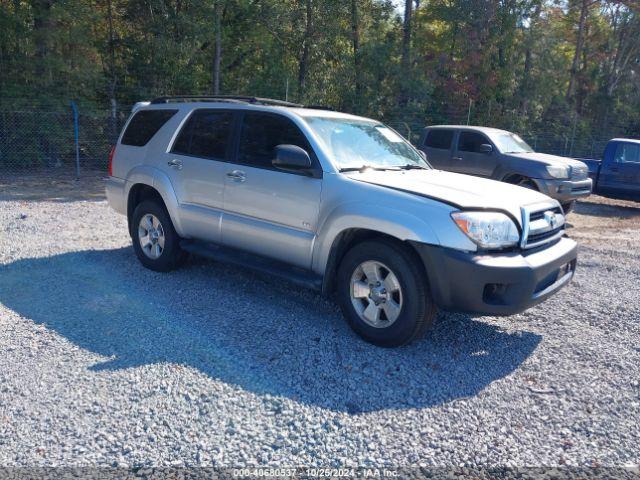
77,139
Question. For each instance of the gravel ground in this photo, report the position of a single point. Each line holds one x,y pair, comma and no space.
105,363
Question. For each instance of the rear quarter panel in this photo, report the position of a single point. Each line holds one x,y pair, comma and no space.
593,165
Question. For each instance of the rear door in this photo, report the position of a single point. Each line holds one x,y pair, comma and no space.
437,145
469,159
196,166
622,172
269,211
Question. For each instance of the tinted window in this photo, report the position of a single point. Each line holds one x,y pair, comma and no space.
206,134
471,141
628,153
439,139
262,133
144,125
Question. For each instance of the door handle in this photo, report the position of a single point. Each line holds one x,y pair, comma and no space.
237,176
175,163
457,158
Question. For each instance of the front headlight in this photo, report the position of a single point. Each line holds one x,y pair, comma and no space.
561,172
488,229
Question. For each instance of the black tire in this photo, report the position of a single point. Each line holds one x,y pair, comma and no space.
523,182
568,207
418,310
172,256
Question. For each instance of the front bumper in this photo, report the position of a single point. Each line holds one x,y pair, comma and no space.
497,284
565,190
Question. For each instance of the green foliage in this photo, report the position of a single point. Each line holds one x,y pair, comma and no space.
498,62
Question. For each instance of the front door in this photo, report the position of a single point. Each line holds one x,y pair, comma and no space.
269,211
468,156
196,167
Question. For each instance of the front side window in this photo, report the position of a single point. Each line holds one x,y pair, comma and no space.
262,133
439,139
357,143
471,141
206,134
144,125
628,153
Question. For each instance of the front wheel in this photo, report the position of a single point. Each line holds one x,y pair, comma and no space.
384,294
568,207
523,182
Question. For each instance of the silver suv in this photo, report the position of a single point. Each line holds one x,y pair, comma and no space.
335,202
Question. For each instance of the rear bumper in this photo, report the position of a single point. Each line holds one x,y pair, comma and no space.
497,284
565,190
114,188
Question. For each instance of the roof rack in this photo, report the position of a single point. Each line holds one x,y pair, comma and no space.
224,98
235,99
319,107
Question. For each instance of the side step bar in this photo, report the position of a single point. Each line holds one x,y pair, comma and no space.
258,263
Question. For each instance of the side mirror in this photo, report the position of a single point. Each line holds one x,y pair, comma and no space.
292,158
486,148
423,155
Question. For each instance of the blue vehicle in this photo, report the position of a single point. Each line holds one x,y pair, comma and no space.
617,175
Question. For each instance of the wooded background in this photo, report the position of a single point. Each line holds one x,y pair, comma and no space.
569,68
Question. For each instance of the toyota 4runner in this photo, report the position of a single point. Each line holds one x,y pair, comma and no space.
335,202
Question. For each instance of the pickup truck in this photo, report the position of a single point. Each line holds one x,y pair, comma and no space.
617,175
334,202
504,156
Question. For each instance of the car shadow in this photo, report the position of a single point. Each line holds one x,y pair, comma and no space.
254,332
615,209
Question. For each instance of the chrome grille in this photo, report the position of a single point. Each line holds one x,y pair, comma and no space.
541,224
579,172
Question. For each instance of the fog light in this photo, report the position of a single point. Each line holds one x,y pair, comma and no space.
494,293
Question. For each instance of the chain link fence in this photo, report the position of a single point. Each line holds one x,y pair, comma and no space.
41,140
33,141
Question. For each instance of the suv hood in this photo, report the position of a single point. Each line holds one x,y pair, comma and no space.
463,191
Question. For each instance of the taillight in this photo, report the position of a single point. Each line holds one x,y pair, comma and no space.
110,164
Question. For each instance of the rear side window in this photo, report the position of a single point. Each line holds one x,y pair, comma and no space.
471,141
628,153
206,134
144,125
262,133
439,139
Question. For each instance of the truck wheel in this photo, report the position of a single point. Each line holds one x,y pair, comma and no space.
568,207
155,241
524,182
384,294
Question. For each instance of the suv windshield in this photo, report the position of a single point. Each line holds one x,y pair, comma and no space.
511,143
355,143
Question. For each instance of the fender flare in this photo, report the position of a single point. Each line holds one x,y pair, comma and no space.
158,180
358,215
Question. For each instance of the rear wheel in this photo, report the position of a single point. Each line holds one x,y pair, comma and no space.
384,294
155,241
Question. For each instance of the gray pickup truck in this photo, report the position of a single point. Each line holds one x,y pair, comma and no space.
502,155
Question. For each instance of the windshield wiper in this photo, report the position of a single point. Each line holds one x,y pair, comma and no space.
365,167
412,166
